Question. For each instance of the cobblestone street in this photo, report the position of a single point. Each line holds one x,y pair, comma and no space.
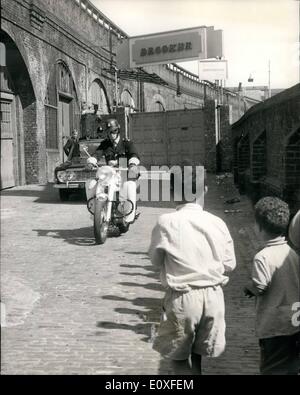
73,307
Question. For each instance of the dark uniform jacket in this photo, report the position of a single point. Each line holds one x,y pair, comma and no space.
71,148
124,149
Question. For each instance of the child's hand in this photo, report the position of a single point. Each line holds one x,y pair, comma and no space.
248,293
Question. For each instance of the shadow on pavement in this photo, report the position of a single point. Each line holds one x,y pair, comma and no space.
80,236
150,275
151,315
137,253
152,286
145,309
45,194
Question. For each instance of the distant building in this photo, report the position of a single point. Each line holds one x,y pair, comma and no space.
259,93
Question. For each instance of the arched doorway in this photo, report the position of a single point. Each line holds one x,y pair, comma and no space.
62,114
19,161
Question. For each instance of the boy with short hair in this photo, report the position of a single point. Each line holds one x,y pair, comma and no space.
193,249
275,283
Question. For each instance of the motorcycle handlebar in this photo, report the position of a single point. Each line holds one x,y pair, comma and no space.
114,167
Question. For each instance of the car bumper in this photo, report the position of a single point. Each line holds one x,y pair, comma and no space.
70,185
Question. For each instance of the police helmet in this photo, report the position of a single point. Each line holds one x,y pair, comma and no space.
112,125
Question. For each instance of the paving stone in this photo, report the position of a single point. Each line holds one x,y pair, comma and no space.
74,307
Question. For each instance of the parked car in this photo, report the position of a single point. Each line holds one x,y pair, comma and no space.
72,175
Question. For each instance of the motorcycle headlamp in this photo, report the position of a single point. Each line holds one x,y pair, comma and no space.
65,176
125,207
104,174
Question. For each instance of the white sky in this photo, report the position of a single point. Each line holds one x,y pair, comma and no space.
254,32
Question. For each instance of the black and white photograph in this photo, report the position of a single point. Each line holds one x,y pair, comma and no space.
150,190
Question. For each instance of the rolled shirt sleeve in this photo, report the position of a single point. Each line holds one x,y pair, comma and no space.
260,277
156,250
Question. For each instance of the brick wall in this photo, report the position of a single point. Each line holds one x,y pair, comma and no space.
30,145
273,130
225,139
210,135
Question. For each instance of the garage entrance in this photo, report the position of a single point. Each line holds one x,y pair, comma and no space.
169,137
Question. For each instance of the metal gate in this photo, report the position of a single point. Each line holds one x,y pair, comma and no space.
170,137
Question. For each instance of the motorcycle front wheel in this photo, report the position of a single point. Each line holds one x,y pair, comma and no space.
100,224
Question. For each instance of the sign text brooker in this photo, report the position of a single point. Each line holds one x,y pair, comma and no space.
166,49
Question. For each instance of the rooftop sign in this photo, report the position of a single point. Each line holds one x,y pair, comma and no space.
212,70
168,47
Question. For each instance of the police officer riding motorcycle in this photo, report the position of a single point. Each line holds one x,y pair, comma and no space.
122,158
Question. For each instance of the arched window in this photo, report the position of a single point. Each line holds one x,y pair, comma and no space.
98,97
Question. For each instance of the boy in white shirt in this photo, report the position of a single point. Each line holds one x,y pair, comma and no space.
192,248
275,283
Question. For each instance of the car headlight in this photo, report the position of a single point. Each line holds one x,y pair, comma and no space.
71,175
104,174
65,176
62,176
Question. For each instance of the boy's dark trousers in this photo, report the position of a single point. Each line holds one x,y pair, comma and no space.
280,355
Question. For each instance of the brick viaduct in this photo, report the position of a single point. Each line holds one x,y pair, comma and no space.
55,60
266,144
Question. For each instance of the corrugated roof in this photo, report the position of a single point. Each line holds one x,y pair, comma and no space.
281,97
137,75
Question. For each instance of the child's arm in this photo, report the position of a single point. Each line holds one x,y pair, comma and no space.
260,278
229,260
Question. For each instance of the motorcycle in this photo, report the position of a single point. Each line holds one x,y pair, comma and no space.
108,210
